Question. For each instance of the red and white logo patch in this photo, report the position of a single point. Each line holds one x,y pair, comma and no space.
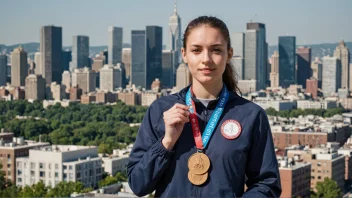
231,129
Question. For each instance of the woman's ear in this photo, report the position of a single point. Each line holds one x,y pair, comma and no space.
230,54
184,57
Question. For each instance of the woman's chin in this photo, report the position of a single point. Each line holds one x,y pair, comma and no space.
206,79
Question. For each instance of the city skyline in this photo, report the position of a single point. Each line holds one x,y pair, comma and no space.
317,21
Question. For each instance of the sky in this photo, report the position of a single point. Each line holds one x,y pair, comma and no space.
311,21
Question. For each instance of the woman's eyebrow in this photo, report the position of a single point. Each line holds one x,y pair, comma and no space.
214,45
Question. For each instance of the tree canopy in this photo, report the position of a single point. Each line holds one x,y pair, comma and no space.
327,189
105,126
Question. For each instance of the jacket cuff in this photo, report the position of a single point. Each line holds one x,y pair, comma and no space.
160,150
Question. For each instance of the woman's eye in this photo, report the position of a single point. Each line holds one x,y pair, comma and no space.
217,50
195,50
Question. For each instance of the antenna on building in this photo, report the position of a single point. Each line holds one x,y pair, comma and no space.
175,7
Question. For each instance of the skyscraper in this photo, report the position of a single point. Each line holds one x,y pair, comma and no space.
343,55
38,60
111,78
255,54
146,56
66,59
138,58
274,74
35,87
84,78
287,61
317,71
182,76
66,80
331,75
126,59
175,36
238,63
50,50
3,69
19,67
238,45
303,65
80,52
154,35
168,62
114,45
237,42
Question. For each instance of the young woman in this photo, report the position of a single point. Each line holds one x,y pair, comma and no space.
206,140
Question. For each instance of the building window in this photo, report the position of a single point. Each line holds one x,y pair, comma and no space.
32,165
70,176
49,166
18,164
32,173
41,165
19,180
70,167
19,172
24,165
319,177
56,174
49,174
56,166
78,175
41,174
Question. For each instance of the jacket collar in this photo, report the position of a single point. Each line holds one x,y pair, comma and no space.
182,96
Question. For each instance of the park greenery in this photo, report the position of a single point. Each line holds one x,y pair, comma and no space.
303,112
327,189
105,126
108,180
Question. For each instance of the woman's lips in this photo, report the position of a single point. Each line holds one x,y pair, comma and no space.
206,70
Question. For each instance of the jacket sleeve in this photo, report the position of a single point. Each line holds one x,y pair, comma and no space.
262,167
148,159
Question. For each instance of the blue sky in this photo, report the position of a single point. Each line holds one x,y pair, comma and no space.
311,21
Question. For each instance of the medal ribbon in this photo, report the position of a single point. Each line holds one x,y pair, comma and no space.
202,142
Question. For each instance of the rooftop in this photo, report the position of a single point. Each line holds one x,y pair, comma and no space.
63,148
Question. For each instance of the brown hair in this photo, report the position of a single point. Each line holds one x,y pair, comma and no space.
230,75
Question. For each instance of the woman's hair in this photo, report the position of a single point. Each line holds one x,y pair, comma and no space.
229,76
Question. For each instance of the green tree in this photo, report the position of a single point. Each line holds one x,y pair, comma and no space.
36,190
11,191
327,189
107,181
271,111
2,178
65,189
121,176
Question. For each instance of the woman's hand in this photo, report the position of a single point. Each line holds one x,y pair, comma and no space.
174,119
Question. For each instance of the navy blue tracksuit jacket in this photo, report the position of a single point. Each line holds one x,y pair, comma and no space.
251,155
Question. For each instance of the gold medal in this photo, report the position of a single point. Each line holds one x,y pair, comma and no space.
198,163
197,179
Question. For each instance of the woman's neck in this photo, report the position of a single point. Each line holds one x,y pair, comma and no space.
206,91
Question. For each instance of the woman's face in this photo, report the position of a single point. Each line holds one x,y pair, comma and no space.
206,54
